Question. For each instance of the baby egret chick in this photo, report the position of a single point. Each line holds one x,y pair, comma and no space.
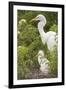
44,63
21,25
22,21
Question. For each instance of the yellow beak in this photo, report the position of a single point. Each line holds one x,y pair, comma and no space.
34,19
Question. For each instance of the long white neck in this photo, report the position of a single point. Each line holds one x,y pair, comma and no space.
41,31
39,60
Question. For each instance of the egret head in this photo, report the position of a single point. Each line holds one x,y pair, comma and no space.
40,18
41,53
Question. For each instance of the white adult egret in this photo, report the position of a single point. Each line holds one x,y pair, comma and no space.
47,37
44,63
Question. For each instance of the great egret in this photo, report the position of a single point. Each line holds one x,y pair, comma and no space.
49,37
44,63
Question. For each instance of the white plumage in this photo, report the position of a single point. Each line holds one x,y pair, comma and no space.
44,63
50,37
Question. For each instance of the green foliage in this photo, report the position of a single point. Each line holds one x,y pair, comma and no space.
29,43
53,58
54,27
22,69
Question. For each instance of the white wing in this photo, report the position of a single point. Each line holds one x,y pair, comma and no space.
51,39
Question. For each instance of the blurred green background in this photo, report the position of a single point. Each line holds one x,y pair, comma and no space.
29,43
